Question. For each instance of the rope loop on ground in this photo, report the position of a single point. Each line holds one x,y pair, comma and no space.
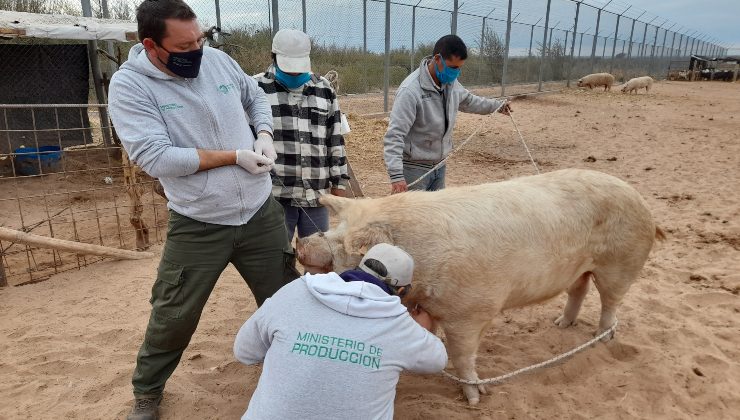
546,363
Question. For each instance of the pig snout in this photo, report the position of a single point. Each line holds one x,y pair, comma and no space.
314,254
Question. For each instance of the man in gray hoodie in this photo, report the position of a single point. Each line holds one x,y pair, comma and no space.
179,110
424,111
333,345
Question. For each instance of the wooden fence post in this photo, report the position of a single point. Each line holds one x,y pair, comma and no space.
137,208
353,184
3,279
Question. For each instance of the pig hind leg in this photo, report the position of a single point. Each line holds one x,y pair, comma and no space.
462,346
612,283
576,293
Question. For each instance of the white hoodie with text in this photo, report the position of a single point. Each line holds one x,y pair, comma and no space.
332,350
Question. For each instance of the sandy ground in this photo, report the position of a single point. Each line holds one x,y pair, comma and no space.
68,344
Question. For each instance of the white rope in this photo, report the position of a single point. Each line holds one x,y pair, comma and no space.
443,161
499,379
525,144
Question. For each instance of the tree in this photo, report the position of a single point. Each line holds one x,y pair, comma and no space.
557,58
40,6
492,51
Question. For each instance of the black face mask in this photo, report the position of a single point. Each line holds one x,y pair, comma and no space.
184,64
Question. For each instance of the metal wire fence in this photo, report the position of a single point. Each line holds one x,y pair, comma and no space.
86,190
511,42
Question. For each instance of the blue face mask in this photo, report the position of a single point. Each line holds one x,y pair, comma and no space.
448,74
291,82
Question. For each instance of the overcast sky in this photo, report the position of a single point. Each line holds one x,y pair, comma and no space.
339,22
719,18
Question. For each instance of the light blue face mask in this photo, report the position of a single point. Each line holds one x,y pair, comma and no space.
448,74
289,81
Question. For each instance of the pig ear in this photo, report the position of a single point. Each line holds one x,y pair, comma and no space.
358,241
336,204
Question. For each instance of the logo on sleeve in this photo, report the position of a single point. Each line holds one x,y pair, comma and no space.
170,107
227,88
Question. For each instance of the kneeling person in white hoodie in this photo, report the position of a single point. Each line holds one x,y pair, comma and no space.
328,335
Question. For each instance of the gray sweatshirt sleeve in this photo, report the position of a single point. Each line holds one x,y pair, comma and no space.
144,134
475,104
255,102
428,350
403,115
253,339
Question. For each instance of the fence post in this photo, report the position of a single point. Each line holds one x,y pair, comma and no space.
651,66
92,53
506,51
643,53
529,54
364,26
303,9
549,41
413,37
652,50
387,65
662,50
455,7
109,44
603,51
3,279
573,43
580,44
275,17
614,45
544,51
596,39
632,32
482,41
218,15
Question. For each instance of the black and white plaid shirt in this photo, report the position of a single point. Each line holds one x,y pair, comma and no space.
307,137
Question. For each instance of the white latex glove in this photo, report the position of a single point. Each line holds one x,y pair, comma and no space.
252,162
263,146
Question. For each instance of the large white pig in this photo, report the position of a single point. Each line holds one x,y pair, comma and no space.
482,249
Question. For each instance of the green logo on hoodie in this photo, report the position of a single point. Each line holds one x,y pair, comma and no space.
339,349
170,107
226,89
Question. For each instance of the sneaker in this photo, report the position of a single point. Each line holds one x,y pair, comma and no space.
145,409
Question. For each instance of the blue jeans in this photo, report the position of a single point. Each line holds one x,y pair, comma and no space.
297,218
432,182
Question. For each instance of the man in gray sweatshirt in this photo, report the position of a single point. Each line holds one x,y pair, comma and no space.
333,345
179,110
424,111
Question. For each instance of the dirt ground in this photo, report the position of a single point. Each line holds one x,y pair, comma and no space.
68,344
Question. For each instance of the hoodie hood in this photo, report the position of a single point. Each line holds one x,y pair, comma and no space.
139,62
354,298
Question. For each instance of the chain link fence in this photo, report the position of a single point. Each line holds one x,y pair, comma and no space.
86,190
519,45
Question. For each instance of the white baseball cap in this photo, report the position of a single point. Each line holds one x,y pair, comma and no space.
292,48
397,264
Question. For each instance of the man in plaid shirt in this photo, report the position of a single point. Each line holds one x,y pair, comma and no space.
307,133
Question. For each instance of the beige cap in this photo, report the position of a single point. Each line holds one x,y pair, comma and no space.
292,48
397,264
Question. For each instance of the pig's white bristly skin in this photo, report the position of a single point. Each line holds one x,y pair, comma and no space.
597,79
481,249
633,85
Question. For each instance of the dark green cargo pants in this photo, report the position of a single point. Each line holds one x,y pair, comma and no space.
195,254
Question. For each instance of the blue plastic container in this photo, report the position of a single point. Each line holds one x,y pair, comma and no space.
33,161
